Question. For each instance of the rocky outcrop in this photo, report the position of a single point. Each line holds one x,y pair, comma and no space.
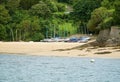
114,39
103,37
109,37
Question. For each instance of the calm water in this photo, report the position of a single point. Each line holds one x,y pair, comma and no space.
57,69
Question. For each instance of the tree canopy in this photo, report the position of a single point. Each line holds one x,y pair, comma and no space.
37,19
101,18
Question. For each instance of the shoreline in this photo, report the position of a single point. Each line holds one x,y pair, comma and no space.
19,54
52,49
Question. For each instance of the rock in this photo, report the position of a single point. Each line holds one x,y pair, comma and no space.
109,37
103,37
114,37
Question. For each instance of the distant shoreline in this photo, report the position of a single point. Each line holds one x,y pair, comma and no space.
53,49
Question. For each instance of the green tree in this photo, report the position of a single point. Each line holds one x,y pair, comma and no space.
14,25
4,15
41,9
61,7
25,25
66,29
68,1
12,5
27,4
4,20
109,4
2,32
117,13
30,29
35,31
101,18
83,9
3,1
52,5
33,19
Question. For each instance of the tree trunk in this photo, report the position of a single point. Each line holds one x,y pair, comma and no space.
16,35
12,34
20,35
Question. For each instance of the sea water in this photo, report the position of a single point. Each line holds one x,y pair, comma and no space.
20,68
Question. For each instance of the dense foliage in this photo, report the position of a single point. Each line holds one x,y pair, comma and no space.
105,16
101,18
25,20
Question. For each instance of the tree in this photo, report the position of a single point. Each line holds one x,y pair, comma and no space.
33,19
83,9
117,13
30,29
2,32
12,5
101,18
52,5
66,29
14,25
3,1
35,29
68,1
61,7
4,20
41,9
4,15
27,4
109,4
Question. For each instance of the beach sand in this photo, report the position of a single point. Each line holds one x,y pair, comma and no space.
57,49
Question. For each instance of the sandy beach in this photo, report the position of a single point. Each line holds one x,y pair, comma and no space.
57,49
